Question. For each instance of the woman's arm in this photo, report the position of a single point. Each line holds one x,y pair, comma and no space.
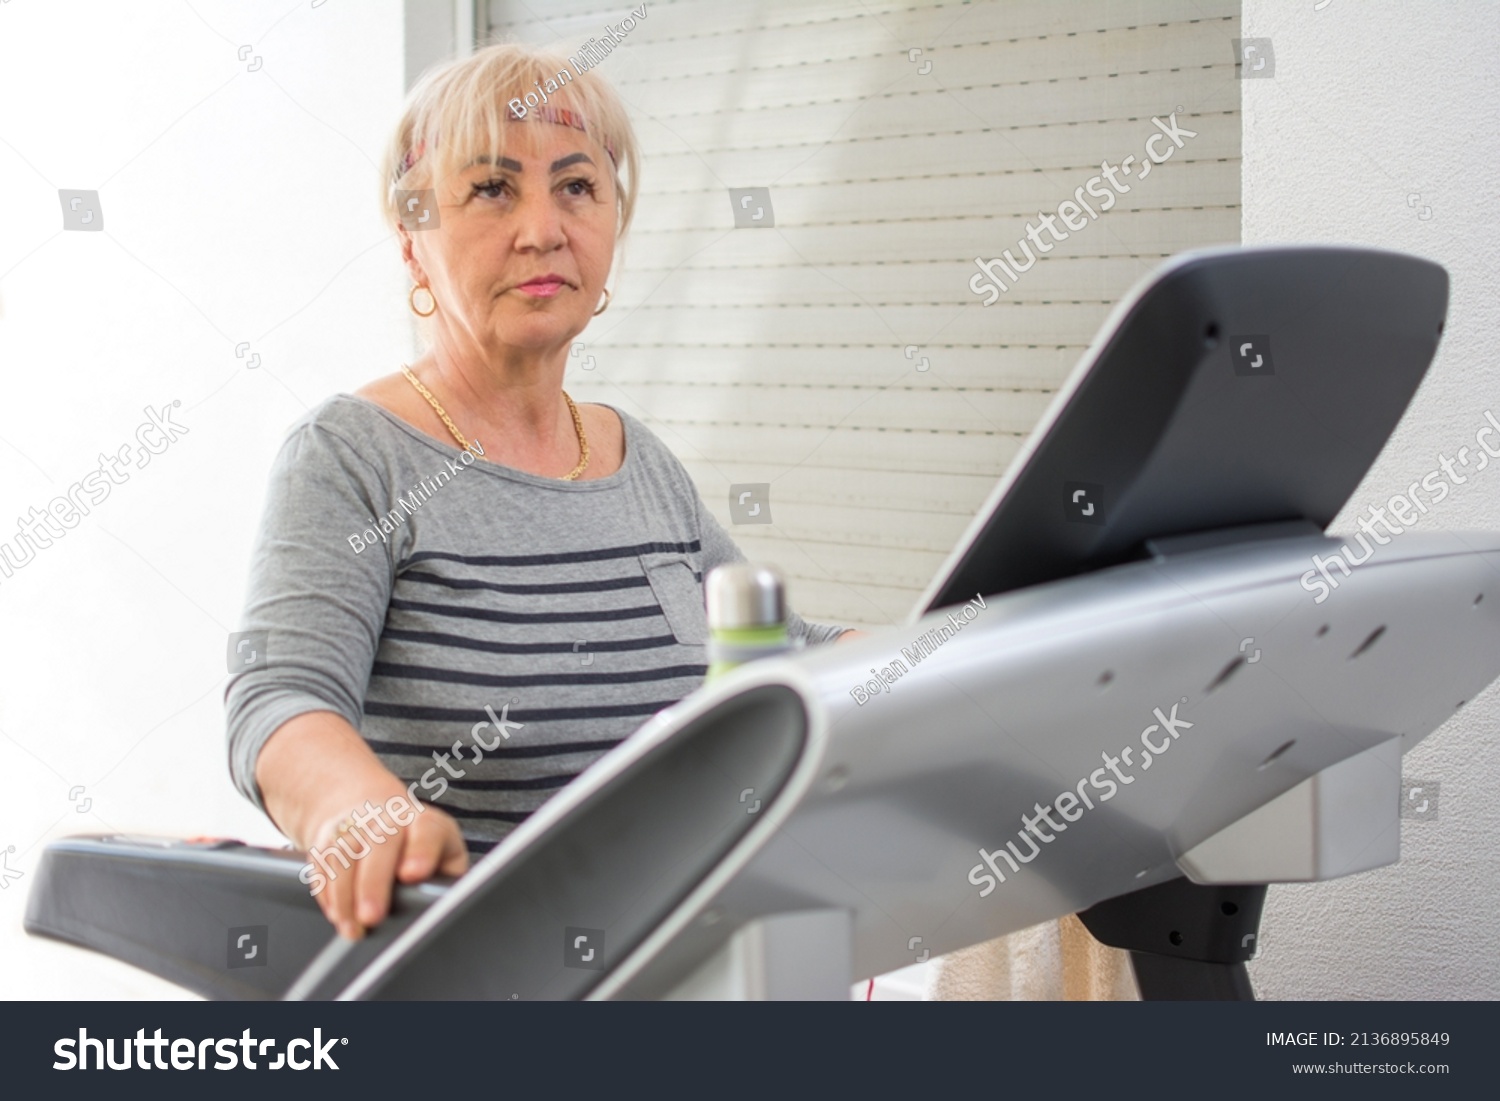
295,749
316,772
314,767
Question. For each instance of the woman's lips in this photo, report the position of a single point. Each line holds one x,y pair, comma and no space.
545,288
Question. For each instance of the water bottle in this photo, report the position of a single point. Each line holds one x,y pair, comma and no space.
746,615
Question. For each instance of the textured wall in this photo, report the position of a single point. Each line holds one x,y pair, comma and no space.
1370,104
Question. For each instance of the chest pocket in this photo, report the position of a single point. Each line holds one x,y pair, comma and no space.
679,594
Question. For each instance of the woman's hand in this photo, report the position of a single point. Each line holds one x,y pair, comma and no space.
327,791
359,854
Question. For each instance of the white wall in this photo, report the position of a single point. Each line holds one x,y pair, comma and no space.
1370,103
237,206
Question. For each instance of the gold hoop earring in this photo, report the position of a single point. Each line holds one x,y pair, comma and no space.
411,299
604,307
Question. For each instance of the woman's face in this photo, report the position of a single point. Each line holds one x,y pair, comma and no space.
523,247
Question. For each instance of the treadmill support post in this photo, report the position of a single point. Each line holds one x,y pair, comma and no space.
1186,942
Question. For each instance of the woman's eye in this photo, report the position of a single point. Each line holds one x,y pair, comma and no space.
488,187
576,188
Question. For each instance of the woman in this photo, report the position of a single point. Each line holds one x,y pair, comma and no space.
473,588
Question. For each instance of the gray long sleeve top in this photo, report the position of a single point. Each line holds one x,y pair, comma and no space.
419,593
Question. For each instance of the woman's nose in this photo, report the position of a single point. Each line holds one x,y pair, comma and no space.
539,222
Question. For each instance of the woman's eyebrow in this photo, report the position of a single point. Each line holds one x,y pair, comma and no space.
515,166
505,162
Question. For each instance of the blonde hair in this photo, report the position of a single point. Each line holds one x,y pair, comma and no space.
458,110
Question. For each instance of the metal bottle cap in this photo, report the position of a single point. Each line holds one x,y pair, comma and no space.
743,594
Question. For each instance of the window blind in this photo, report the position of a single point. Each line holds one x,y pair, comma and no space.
832,354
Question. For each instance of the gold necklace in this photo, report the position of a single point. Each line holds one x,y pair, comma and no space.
583,440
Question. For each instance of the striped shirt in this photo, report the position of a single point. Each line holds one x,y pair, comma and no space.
489,632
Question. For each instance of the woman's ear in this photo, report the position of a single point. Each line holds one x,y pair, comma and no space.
413,265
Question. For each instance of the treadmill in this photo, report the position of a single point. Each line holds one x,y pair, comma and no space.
1147,593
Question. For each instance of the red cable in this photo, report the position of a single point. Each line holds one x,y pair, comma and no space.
869,990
